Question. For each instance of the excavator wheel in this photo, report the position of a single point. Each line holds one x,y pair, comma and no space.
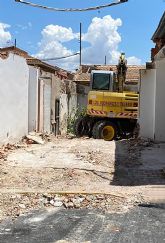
95,130
106,130
81,127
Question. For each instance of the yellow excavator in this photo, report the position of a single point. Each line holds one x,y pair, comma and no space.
111,112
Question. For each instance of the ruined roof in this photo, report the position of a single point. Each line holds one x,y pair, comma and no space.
83,74
15,50
37,62
160,31
32,61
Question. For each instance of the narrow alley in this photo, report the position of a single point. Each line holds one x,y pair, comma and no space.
76,175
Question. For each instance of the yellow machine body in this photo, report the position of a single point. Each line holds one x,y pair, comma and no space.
113,104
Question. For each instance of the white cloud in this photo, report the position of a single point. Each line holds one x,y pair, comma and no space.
53,37
134,61
57,33
104,40
24,27
29,24
102,37
52,44
5,35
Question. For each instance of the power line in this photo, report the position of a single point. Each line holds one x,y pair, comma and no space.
71,9
57,58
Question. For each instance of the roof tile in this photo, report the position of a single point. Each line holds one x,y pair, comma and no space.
83,74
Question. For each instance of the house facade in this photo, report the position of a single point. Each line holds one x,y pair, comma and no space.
48,89
152,98
34,96
14,76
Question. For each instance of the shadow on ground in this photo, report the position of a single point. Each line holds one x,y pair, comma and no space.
142,224
139,164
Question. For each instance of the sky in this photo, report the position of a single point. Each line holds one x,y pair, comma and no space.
127,27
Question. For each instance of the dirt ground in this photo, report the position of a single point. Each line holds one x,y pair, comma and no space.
108,175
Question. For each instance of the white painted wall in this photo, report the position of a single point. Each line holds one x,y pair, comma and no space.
47,106
147,103
152,101
33,99
160,101
14,76
41,106
63,113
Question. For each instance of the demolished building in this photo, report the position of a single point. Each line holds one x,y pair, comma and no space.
34,95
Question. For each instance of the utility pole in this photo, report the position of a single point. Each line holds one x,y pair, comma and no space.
15,43
80,44
105,60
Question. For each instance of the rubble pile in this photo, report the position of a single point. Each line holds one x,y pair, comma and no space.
91,201
135,147
140,143
7,148
36,138
15,205
94,157
2,155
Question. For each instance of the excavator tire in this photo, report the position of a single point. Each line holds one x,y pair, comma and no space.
106,130
95,130
81,127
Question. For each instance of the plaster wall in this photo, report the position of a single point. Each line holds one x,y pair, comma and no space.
45,94
160,101
147,103
33,99
14,77
72,104
72,98
63,113
47,106
82,96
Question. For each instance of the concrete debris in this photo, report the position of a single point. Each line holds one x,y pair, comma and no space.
34,139
140,143
2,155
15,205
45,137
69,205
37,138
52,202
103,202
5,149
57,204
21,205
70,136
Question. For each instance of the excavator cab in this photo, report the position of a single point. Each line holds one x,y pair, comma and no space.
103,81
108,80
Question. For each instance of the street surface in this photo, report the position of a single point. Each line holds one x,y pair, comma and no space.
141,225
84,190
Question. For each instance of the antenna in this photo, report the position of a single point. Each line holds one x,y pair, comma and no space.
80,44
